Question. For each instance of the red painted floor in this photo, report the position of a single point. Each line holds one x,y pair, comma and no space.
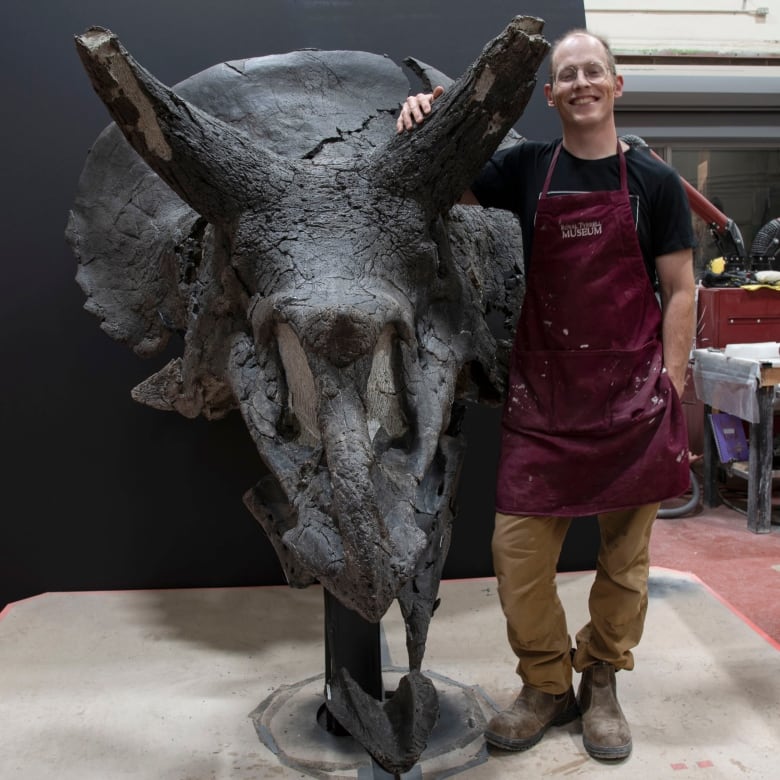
741,567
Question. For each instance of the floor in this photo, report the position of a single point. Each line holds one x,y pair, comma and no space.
740,567
224,684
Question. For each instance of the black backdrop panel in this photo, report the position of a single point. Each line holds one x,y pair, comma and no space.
98,491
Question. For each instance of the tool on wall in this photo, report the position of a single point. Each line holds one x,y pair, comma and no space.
760,265
725,231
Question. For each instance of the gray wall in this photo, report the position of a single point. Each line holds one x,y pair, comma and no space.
99,492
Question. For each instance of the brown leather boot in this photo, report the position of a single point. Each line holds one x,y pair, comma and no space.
605,732
524,723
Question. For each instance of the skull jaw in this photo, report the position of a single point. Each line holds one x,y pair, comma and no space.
381,551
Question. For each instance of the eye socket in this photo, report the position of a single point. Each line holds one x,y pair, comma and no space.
385,407
302,394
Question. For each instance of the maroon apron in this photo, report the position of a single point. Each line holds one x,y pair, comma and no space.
591,422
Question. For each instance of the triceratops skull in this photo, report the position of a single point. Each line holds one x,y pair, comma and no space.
322,286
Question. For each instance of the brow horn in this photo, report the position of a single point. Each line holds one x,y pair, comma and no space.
212,166
440,159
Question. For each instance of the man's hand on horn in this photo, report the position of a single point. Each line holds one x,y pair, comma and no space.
416,108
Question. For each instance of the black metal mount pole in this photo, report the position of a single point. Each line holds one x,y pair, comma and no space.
352,643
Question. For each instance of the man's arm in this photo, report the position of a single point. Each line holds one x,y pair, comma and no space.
677,287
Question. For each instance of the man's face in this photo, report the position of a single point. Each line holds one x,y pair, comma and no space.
583,87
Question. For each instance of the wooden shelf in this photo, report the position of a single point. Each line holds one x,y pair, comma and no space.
739,468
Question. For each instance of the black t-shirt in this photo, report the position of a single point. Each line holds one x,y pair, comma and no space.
514,177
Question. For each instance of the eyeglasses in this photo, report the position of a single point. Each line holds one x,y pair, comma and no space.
594,72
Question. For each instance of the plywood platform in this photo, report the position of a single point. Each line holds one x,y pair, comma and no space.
162,685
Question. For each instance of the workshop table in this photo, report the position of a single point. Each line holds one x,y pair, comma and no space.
744,387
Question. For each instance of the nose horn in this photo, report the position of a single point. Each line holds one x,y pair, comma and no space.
342,334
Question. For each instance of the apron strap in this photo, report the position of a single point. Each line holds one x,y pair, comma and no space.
556,153
548,179
623,169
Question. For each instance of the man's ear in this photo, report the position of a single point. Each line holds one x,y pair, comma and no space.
548,93
618,86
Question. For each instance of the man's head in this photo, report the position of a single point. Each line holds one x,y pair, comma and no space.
608,56
583,82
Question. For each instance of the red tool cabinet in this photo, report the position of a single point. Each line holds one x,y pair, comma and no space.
736,316
727,315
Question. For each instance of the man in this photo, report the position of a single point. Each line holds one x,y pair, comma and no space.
592,422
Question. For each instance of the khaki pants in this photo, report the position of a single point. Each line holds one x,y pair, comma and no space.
525,557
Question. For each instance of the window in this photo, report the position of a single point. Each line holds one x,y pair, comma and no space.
743,183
